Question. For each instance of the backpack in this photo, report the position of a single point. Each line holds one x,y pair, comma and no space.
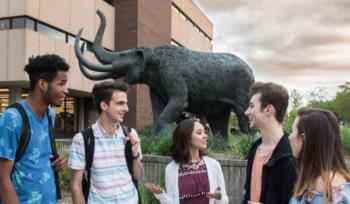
25,137
89,145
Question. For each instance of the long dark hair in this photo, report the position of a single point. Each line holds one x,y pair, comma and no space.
321,153
181,141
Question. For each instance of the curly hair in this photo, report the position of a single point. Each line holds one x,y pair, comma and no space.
44,67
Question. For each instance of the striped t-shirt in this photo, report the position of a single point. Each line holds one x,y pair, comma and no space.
110,179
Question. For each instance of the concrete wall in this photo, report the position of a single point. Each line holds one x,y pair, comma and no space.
17,45
67,15
190,27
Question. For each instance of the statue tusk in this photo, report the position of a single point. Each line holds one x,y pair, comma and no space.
83,61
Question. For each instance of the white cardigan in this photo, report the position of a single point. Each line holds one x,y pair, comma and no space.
215,176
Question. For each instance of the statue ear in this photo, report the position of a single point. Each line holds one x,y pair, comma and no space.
139,59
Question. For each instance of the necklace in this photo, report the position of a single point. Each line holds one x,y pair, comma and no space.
196,161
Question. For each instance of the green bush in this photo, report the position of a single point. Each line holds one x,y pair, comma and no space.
147,130
162,145
240,144
147,145
64,179
288,120
158,145
216,142
345,139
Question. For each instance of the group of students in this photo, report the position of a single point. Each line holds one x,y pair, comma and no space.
306,166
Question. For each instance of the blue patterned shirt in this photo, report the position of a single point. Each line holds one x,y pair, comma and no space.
340,195
33,175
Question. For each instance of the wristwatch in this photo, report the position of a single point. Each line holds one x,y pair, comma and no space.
136,157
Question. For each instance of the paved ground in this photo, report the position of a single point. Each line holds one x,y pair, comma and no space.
67,199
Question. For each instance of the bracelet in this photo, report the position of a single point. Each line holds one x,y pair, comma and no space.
136,157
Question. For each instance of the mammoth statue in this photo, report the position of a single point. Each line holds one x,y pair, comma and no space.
210,84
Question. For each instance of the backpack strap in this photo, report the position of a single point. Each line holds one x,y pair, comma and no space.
25,132
129,159
25,138
54,153
89,146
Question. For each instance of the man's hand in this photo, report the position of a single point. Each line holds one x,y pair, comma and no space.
135,142
216,195
60,163
154,188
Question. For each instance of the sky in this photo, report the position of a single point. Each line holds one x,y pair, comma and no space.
303,45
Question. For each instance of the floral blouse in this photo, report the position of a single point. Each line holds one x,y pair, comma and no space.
341,195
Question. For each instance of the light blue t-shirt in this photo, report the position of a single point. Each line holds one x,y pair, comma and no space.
341,195
33,175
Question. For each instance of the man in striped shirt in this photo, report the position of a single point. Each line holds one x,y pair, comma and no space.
110,180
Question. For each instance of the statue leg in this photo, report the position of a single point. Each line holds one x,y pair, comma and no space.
157,104
170,113
219,123
239,110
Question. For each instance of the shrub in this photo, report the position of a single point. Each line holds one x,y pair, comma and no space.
216,142
147,145
145,135
64,179
163,144
345,139
240,144
288,121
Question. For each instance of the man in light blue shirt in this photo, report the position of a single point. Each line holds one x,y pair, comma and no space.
31,179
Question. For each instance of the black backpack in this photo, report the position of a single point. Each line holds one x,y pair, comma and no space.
25,137
89,145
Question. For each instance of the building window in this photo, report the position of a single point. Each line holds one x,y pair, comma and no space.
174,42
23,23
187,19
4,24
30,23
4,99
51,32
66,118
110,2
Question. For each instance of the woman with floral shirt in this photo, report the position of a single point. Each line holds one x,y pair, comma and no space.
191,177
323,176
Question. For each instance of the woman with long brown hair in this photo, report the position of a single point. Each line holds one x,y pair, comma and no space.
191,177
323,176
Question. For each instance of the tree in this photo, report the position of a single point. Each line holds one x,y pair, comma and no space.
342,103
295,101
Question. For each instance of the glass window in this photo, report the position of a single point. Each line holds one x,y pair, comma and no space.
18,23
4,99
4,24
51,32
66,119
175,9
110,2
71,39
30,24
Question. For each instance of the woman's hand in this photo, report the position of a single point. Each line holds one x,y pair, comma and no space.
154,188
216,195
